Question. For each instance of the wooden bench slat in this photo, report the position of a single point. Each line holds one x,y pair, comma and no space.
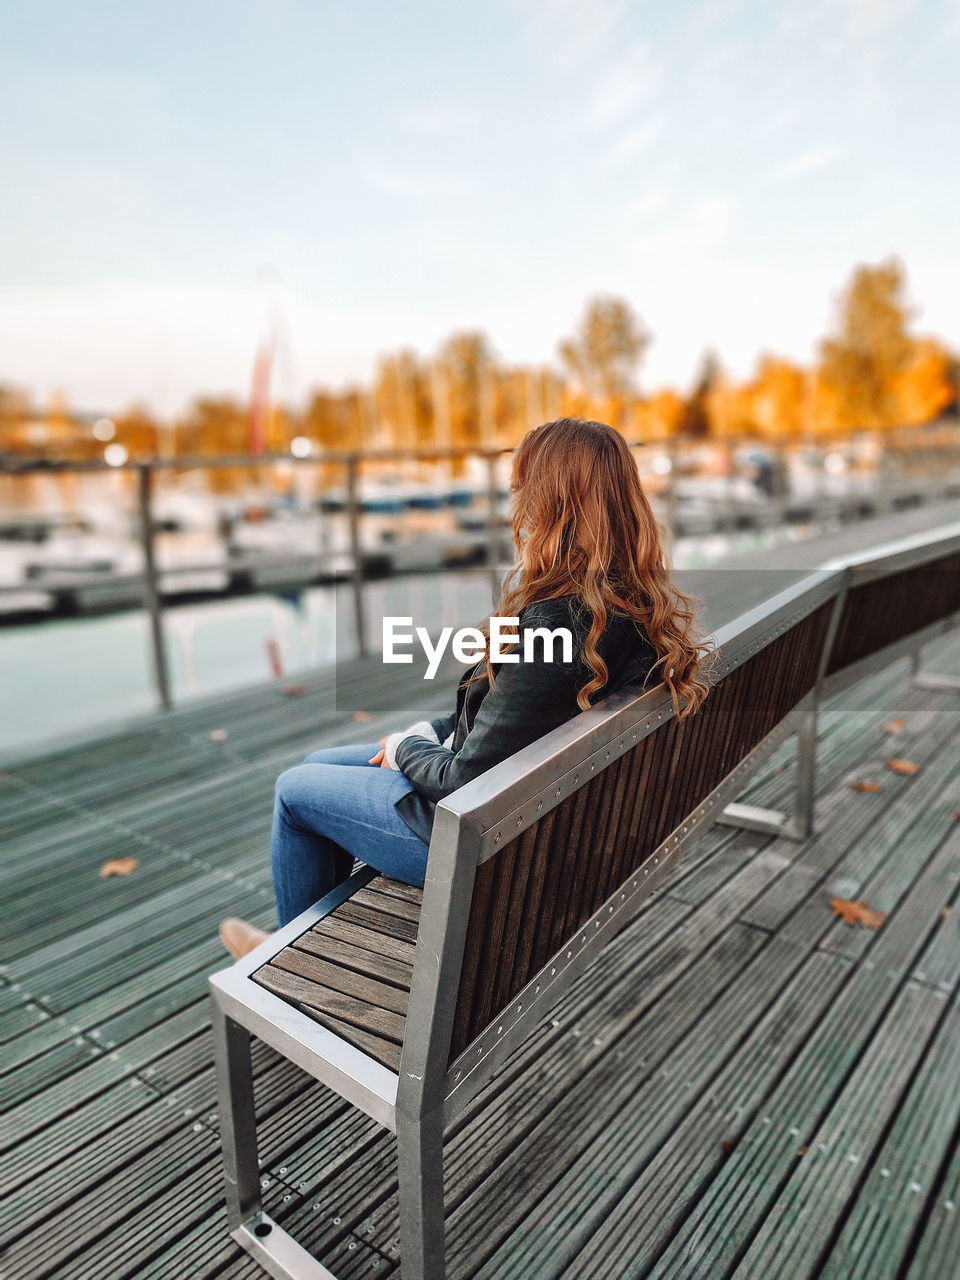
398,950
339,978
387,903
360,959
397,889
385,1051
291,986
379,922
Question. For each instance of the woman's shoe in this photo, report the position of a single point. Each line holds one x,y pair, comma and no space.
239,937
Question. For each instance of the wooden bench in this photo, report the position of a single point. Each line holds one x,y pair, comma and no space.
407,1004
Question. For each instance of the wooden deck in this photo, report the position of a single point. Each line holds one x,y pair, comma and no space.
742,1085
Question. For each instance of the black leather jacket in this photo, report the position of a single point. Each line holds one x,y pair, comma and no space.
527,701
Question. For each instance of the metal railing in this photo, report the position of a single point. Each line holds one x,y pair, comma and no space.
910,462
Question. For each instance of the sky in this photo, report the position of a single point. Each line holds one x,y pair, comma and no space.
369,176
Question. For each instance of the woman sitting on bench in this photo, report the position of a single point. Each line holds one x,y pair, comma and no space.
589,559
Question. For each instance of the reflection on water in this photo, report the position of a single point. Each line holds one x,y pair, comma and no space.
73,675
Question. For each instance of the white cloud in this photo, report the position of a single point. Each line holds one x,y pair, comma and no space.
648,204
705,225
872,19
632,140
623,84
387,180
444,118
570,32
808,162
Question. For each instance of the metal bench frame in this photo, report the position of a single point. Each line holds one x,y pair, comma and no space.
472,825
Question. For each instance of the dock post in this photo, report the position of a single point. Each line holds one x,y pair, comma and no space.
151,587
356,569
493,527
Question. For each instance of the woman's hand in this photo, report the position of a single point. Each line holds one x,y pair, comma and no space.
379,758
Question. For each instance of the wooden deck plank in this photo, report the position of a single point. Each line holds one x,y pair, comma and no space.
899,1189
730,1211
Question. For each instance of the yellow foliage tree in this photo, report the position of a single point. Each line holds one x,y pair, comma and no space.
778,398
604,355
924,387
863,361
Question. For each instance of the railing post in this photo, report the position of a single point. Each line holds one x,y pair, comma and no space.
673,457
356,570
493,526
151,587
729,519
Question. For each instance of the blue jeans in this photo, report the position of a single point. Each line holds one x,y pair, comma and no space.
330,809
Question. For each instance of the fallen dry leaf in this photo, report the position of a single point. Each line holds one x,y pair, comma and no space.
892,726
946,911
362,717
860,785
902,766
857,913
294,690
119,866
219,735
803,1151
727,1146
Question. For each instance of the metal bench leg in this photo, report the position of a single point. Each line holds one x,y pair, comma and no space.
773,821
931,679
276,1251
420,1169
238,1124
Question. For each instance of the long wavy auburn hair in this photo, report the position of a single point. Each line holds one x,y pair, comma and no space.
582,526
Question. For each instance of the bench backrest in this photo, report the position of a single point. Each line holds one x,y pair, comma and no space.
523,857
893,596
547,875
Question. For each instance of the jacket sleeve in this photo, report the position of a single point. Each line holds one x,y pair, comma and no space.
527,700
444,725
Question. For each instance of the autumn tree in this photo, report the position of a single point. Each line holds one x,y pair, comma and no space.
778,398
604,355
471,378
660,417
697,418
862,361
138,431
926,387
403,399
